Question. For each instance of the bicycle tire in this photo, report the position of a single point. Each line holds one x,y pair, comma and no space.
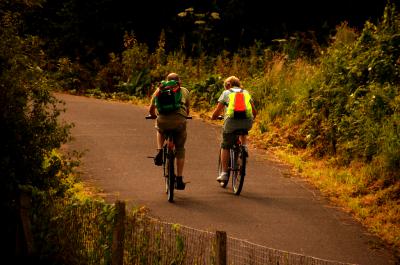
171,177
223,184
165,168
239,171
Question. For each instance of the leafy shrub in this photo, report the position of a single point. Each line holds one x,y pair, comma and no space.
29,121
136,67
205,94
358,94
72,76
110,76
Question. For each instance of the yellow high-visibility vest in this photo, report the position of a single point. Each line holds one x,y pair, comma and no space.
239,104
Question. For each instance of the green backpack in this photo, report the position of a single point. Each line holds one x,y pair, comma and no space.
168,97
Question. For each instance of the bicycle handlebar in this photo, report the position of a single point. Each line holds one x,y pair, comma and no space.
149,117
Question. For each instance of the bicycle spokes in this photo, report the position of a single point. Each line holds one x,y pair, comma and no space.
236,168
240,171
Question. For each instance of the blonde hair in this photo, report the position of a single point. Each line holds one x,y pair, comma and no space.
233,81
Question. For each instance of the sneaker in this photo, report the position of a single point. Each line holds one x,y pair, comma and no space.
158,160
222,177
180,185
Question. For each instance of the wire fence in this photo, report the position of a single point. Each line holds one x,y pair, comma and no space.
243,252
150,241
90,233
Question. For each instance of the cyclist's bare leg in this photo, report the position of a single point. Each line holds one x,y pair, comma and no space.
160,140
180,162
158,159
243,139
224,159
180,185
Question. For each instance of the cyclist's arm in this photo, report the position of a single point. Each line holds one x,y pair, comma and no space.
152,110
187,110
152,107
218,111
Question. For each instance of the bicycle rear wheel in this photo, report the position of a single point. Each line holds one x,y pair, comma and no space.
239,171
165,168
170,179
222,183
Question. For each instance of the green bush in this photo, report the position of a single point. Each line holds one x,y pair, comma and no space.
358,95
136,67
29,124
205,94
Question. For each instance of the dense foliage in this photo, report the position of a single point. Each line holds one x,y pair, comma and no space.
354,112
29,124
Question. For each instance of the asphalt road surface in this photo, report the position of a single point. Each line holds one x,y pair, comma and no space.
275,209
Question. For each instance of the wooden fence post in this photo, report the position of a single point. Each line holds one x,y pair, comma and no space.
221,247
118,234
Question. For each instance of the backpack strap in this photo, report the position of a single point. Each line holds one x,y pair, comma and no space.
176,88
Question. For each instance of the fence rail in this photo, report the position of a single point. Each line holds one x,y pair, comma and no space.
97,233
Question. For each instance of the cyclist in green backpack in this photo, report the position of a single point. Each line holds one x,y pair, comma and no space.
239,115
170,104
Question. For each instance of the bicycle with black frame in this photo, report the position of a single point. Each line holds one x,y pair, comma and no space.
236,163
168,161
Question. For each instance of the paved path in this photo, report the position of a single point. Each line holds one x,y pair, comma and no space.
275,209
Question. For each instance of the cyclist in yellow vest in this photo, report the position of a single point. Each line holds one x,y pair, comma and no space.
239,115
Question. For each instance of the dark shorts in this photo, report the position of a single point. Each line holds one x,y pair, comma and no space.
229,139
177,124
231,126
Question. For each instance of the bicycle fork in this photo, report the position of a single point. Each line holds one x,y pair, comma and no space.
232,155
171,156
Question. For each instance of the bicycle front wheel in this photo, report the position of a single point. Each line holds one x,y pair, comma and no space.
239,171
170,179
